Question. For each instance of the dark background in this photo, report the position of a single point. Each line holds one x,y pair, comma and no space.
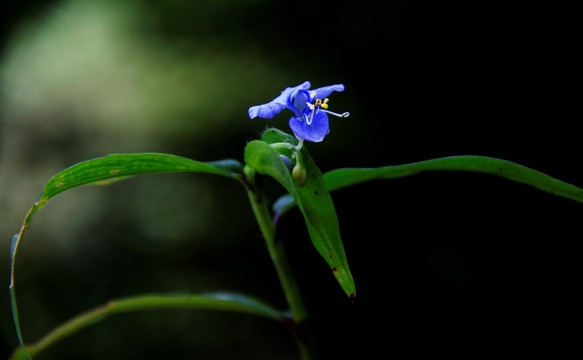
445,264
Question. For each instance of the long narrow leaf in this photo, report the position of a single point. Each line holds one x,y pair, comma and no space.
104,170
213,301
118,166
342,178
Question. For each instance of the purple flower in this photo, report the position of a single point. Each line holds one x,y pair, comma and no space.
310,120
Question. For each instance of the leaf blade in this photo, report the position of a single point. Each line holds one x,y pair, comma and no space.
116,166
313,199
340,178
222,301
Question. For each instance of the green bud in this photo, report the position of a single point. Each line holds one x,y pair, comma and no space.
300,174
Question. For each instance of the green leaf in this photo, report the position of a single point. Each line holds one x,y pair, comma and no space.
114,167
341,178
313,200
105,170
119,166
213,301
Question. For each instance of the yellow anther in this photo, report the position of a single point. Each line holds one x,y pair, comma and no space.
323,104
313,95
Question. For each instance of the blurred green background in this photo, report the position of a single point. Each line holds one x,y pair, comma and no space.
452,264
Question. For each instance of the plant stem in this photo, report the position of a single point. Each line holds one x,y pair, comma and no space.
288,282
277,253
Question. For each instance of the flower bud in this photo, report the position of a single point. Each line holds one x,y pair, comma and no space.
300,174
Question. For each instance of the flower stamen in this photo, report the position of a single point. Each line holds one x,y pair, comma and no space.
343,115
310,118
323,104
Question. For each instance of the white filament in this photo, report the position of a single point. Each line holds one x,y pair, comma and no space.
343,115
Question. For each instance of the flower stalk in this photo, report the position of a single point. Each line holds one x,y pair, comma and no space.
276,250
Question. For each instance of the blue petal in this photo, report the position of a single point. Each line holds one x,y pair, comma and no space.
315,132
266,110
276,105
300,99
323,92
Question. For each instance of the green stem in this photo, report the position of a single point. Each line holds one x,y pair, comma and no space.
277,253
288,282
